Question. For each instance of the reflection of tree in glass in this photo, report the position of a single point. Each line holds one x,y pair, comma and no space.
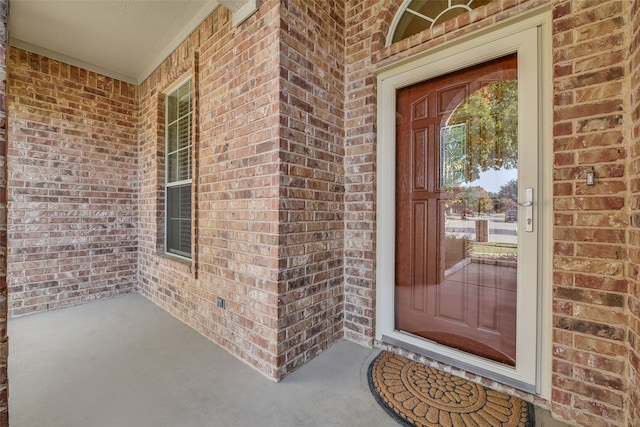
509,190
491,115
476,199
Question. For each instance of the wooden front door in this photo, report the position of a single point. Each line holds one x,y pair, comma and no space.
456,210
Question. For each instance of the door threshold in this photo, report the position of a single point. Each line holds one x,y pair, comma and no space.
466,366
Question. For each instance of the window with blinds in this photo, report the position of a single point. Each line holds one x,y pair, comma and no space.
178,161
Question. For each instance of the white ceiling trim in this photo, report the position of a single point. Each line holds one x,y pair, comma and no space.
241,9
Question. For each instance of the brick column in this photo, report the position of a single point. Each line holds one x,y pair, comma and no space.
633,268
4,346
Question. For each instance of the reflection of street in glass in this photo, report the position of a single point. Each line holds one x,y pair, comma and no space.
511,215
502,238
499,230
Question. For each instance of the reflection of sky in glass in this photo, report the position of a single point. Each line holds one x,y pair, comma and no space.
492,180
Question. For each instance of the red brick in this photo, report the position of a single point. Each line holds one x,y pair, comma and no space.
100,168
604,155
586,110
600,251
292,248
564,159
601,283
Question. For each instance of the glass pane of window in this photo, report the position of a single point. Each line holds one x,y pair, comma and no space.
422,14
172,108
409,25
184,99
184,165
172,167
179,143
185,216
179,138
172,138
179,220
184,131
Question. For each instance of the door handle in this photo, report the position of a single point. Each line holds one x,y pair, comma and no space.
528,209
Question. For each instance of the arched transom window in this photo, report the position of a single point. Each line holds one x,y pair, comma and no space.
415,16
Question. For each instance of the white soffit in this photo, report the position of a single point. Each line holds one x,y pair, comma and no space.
242,9
124,39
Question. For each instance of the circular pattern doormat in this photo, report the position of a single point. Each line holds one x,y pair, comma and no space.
419,396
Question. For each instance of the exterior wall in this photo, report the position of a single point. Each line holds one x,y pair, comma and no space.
236,179
590,287
312,187
367,28
633,398
268,185
360,170
4,344
284,180
590,355
72,185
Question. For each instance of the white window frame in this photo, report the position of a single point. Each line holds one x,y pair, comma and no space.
530,34
187,78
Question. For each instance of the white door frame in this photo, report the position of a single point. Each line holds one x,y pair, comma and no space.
530,37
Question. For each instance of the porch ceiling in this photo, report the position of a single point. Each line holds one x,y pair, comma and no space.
124,39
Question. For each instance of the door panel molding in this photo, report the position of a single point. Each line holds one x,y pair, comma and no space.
460,297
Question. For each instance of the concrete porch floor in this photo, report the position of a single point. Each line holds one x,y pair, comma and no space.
125,362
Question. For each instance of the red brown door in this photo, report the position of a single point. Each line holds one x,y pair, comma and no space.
456,239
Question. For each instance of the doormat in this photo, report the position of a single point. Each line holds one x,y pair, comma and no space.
420,396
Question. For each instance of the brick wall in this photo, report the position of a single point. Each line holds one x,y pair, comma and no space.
360,176
236,176
589,353
72,184
366,32
4,345
311,187
633,398
367,26
590,285
284,182
268,185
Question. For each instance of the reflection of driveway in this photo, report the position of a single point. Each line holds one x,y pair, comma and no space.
499,231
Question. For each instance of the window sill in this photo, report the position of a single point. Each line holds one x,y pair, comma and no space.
182,260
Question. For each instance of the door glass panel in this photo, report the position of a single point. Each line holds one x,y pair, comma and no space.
457,234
